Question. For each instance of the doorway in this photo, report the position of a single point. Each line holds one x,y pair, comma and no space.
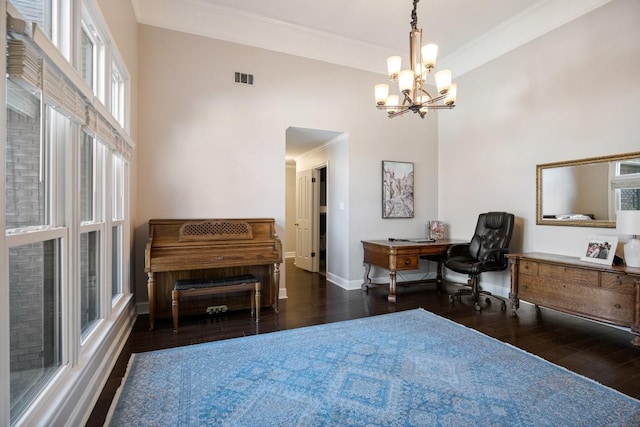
308,224
311,219
320,174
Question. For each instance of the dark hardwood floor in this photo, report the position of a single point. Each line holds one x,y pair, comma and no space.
594,350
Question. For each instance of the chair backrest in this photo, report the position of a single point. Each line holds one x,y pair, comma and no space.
493,231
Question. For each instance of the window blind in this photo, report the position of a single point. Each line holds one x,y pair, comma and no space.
29,66
626,181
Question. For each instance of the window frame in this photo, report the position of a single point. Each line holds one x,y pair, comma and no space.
90,22
61,51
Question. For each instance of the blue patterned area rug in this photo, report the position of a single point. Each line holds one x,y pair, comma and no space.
410,368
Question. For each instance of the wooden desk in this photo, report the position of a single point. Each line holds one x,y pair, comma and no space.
401,255
600,292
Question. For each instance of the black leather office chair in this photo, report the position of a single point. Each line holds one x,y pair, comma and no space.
485,252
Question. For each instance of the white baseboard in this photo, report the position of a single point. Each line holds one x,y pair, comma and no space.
143,307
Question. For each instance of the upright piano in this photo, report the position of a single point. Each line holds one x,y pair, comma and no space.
211,249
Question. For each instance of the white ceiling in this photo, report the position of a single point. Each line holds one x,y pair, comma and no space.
362,33
386,23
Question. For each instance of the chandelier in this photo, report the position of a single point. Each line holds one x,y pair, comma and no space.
411,82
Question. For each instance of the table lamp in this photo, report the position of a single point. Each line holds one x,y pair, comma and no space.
628,223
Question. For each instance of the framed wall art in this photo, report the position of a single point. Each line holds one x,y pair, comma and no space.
600,249
397,189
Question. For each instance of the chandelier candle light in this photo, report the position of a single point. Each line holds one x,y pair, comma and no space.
411,82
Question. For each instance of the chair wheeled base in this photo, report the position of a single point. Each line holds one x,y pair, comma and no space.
476,293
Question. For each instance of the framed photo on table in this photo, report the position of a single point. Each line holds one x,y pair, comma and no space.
397,189
600,249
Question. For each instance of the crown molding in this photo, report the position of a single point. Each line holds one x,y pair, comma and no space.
209,20
539,19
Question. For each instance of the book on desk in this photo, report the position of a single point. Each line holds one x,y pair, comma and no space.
417,240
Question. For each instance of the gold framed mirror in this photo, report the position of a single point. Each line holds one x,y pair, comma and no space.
587,192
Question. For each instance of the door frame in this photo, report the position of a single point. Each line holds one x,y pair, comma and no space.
315,222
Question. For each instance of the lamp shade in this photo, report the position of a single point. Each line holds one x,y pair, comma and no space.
443,81
381,92
406,79
394,65
393,101
450,97
628,222
429,55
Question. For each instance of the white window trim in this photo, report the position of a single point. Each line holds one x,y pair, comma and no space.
91,24
75,357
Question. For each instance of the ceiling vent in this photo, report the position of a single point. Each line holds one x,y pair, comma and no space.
244,79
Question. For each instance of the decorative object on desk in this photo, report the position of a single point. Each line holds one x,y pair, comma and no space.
412,81
600,249
397,189
628,223
435,230
409,368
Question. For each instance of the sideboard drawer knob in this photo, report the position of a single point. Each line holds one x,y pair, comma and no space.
618,306
407,261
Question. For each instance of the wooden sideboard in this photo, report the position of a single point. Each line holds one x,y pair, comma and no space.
600,292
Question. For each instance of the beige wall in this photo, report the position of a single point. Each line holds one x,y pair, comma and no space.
210,148
207,147
570,94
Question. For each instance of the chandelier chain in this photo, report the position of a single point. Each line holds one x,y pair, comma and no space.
414,15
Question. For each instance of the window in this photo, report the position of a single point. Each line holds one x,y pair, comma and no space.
87,58
117,93
35,246
35,314
626,184
90,227
26,166
92,51
89,281
65,200
117,224
87,179
37,11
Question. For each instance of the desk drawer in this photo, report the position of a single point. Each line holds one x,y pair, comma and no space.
575,276
589,301
407,262
617,282
528,267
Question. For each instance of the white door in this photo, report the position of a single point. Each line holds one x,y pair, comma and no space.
304,212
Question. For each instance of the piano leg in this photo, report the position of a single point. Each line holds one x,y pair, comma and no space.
256,300
151,290
276,281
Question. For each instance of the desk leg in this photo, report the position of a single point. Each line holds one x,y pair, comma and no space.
439,277
366,281
151,291
392,286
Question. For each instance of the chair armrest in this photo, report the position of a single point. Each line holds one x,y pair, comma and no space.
498,255
458,249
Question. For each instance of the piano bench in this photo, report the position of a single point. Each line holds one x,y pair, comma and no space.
198,287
